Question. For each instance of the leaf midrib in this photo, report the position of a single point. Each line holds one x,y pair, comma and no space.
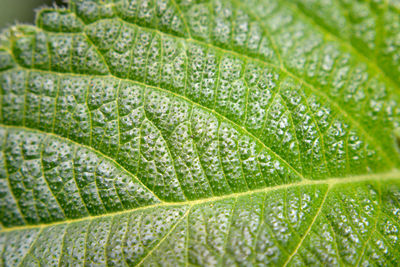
331,182
388,175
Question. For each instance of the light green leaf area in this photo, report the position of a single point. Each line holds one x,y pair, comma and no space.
202,133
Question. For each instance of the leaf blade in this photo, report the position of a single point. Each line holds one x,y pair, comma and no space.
251,130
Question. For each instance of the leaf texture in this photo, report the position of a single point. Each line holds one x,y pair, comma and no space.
175,132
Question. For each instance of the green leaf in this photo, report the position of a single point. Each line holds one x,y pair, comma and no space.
177,132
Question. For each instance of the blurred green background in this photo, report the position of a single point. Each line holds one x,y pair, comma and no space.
22,11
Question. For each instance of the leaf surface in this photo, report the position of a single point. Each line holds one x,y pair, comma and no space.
172,132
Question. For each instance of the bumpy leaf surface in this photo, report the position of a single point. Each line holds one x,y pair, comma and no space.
207,132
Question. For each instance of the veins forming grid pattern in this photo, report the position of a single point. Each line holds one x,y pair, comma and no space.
378,147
